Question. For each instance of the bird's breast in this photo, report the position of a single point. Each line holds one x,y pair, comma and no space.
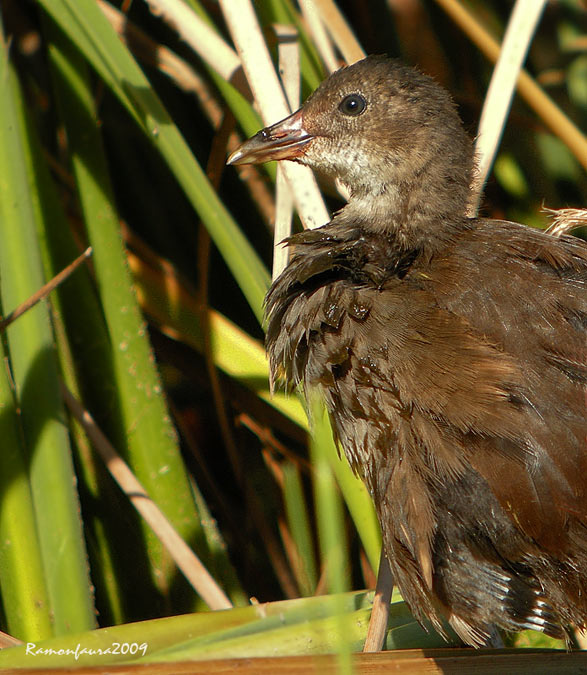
333,330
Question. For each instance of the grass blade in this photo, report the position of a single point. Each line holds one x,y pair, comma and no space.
151,444
25,599
299,525
34,368
89,30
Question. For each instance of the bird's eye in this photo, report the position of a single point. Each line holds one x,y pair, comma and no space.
353,104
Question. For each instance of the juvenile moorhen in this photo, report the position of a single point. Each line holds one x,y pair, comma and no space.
450,351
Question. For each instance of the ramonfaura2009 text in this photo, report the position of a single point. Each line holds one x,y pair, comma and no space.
121,648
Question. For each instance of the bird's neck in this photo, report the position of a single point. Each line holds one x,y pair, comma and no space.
416,215
418,199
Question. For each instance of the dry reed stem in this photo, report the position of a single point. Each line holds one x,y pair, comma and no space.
516,42
565,220
161,57
320,38
288,55
534,96
44,291
7,640
201,37
340,31
377,628
269,95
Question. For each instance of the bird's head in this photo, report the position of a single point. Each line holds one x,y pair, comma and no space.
388,132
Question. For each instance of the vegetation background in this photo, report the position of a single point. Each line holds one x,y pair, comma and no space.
113,134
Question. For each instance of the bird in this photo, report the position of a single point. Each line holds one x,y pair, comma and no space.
449,349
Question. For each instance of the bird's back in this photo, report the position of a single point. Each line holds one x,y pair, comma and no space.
455,383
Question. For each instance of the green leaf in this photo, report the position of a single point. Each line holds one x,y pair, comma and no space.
88,29
34,370
148,440
301,626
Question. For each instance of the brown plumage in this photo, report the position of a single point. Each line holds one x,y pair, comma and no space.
450,351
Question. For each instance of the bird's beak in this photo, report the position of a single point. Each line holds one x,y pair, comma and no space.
285,140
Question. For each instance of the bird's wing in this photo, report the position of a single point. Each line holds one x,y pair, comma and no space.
526,293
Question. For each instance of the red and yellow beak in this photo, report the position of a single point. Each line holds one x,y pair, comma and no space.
285,140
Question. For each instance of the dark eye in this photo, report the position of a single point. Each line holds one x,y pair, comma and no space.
353,104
